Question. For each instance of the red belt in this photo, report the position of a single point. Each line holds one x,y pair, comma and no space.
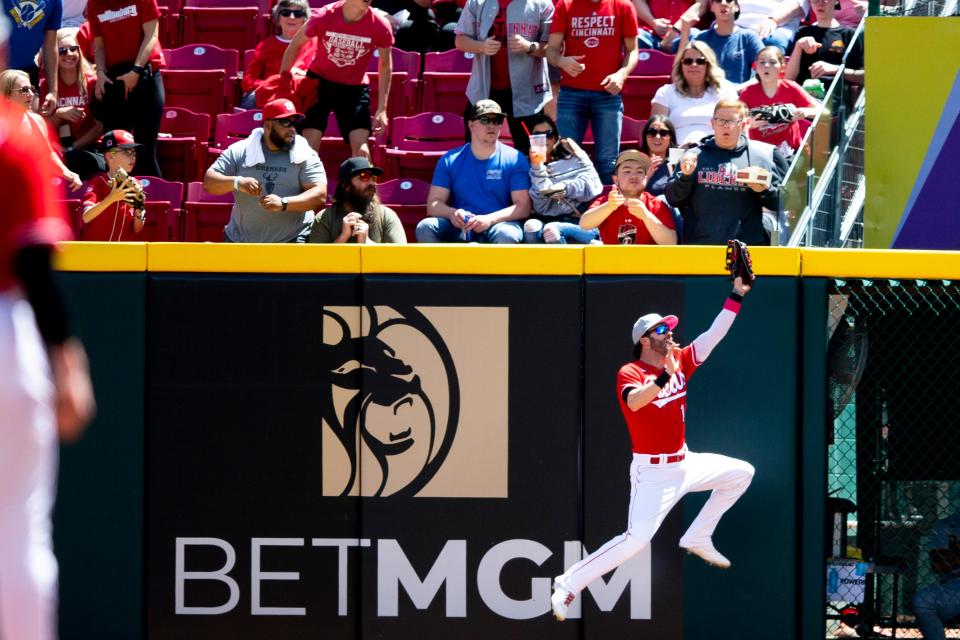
667,459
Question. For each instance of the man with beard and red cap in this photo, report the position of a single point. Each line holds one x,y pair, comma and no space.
277,179
356,214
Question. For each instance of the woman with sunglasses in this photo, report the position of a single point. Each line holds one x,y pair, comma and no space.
72,120
772,88
560,182
698,83
659,137
20,95
288,16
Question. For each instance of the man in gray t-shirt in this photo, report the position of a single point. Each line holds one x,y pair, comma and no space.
277,179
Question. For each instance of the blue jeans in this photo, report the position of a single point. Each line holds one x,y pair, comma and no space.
569,232
604,112
934,606
442,230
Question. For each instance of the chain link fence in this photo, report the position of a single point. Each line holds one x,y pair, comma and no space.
893,508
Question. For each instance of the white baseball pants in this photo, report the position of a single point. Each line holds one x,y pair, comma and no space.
28,458
654,490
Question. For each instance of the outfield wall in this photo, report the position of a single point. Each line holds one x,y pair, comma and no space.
409,442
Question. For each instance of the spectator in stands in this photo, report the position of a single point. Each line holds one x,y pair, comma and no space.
34,29
628,215
289,16
18,91
560,182
848,13
480,190
698,83
276,177
606,31
421,25
775,21
659,137
109,211
357,215
129,90
509,42
773,89
76,126
657,19
716,204
74,13
348,32
735,47
938,604
820,48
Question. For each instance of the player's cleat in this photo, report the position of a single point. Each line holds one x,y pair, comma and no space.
561,599
709,555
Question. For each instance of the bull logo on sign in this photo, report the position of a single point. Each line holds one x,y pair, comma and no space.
381,403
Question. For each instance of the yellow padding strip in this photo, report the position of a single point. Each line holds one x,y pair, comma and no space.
685,260
474,259
101,256
875,263
253,258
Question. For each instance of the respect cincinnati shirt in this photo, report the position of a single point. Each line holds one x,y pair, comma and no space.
596,31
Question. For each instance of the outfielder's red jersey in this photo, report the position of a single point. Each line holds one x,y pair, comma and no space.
32,212
115,223
658,427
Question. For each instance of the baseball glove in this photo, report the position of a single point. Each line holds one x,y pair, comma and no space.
775,113
138,199
739,263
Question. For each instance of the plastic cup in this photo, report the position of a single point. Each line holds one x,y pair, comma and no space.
538,148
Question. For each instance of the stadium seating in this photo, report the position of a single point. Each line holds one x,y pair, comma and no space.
182,145
231,127
163,210
444,81
408,197
403,62
200,91
208,56
630,134
226,27
204,215
418,142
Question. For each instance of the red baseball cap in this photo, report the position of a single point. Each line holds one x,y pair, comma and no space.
118,139
280,108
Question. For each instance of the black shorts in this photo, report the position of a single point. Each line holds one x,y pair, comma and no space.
349,103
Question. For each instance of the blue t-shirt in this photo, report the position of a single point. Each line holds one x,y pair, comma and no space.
30,19
735,53
482,186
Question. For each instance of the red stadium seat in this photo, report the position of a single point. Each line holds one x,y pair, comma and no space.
200,91
630,134
163,209
208,56
419,141
205,215
637,93
653,63
409,199
396,106
403,62
333,150
444,81
231,127
182,144
229,28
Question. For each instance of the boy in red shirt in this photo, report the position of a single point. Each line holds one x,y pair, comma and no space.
347,32
628,214
594,42
108,211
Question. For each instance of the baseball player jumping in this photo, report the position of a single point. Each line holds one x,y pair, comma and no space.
652,392
44,383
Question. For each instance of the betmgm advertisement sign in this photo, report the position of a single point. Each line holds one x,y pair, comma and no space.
407,467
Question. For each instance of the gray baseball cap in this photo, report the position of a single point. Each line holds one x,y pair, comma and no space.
649,321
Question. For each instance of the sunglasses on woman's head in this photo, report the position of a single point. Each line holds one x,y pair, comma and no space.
658,133
292,13
65,50
687,62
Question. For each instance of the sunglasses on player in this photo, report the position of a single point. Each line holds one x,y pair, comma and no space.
660,329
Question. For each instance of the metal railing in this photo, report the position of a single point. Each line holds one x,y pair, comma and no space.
823,192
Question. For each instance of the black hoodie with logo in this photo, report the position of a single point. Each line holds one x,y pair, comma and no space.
715,208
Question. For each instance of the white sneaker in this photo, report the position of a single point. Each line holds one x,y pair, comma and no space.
561,599
709,554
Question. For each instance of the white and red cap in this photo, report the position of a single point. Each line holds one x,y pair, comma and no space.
118,139
649,321
280,108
